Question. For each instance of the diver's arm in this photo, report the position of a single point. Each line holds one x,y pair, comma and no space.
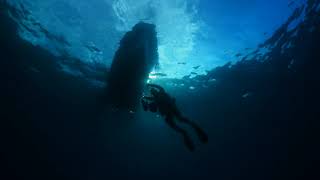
156,86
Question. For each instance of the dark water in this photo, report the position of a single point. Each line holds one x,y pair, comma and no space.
262,117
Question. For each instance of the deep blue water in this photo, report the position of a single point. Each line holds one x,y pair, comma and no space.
259,108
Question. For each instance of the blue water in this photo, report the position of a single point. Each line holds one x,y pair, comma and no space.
191,33
260,111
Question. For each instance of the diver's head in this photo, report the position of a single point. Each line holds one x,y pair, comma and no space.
153,91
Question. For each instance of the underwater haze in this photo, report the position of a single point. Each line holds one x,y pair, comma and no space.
240,76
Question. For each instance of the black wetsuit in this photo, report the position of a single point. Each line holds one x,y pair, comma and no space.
161,102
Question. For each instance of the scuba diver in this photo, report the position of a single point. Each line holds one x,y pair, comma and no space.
161,102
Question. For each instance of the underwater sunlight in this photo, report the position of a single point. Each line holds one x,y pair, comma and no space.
194,36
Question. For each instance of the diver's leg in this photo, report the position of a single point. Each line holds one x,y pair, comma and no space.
201,134
187,140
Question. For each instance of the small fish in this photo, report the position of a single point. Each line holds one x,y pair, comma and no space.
93,48
96,49
248,94
182,63
194,73
196,67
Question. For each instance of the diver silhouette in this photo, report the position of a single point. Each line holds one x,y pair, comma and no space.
160,101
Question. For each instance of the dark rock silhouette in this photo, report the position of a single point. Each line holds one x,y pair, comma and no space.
132,63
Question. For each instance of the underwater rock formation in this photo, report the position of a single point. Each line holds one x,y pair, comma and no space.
132,63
